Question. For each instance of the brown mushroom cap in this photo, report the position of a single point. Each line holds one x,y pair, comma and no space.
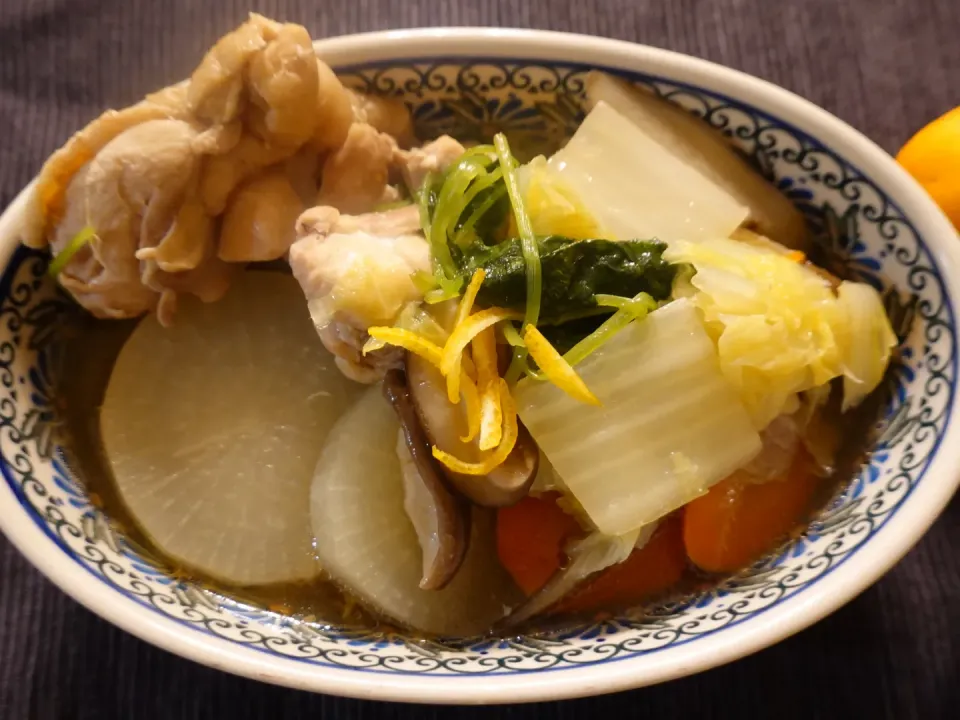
450,519
443,425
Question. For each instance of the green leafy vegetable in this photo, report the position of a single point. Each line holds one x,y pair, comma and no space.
512,336
486,209
574,272
638,304
64,257
463,207
565,336
573,287
636,308
468,202
451,200
444,267
578,339
444,290
528,243
485,206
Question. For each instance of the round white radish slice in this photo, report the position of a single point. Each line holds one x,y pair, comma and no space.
365,541
213,429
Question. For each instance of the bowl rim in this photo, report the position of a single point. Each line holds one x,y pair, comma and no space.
874,558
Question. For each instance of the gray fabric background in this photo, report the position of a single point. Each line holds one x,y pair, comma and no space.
885,66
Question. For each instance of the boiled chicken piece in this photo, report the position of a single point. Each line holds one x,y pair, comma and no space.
280,80
346,342
384,114
334,113
356,178
302,170
262,78
329,123
357,272
259,224
46,206
435,156
209,281
138,194
241,136
262,73
399,221
223,174
324,221
216,85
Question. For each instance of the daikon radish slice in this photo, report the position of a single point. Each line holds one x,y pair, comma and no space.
213,428
366,542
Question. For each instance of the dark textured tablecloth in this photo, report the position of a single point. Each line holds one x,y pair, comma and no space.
885,66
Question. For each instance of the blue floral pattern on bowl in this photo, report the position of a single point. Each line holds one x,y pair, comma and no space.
863,234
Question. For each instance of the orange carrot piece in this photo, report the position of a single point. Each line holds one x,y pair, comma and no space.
649,571
530,539
737,522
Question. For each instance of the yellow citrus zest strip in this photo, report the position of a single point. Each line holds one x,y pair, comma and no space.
406,339
468,366
463,312
469,297
471,405
453,383
498,456
557,370
417,344
484,348
467,331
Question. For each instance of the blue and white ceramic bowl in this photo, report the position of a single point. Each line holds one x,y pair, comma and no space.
873,220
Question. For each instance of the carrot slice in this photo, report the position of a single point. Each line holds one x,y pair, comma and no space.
530,539
649,571
739,521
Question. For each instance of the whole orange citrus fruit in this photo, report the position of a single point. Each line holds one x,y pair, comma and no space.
932,156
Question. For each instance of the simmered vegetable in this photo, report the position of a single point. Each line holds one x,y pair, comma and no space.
692,141
530,539
650,570
445,426
441,518
583,558
564,570
669,425
215,465
366,543
574,273
780,327
740,519
553,205
636,187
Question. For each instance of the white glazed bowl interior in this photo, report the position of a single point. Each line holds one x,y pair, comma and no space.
874,220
